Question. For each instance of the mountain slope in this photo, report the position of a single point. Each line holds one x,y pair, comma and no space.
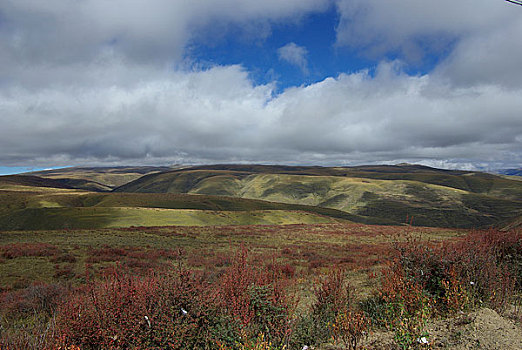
511,172
433,197
98,178
19,181
44,208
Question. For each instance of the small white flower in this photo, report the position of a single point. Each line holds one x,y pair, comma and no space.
423,340
305,347
183,311
472,283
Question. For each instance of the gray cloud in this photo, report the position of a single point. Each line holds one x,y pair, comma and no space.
58,31
84,83
480,36
219,115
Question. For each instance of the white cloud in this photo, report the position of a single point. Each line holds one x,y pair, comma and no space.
480,36
219,115
294,54
92,82
59,32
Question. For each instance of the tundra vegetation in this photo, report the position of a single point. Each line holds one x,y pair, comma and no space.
253,257
247,287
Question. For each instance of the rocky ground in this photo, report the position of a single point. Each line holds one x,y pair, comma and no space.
483,329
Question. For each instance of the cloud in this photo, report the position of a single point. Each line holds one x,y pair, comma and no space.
220,115
294,54
98,82
414,30
492,57
60,32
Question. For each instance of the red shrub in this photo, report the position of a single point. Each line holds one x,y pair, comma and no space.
15,250
105,253
256,299
220,260
475,269
35,299
66,257
288,270
63,271
349,327
125,311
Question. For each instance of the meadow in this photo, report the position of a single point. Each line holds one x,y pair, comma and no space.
247,287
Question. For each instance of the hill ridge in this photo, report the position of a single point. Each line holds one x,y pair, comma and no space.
437,197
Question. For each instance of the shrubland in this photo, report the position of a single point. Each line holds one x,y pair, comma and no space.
250,287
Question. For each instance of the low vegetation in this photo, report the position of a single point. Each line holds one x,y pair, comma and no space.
235,287
81,269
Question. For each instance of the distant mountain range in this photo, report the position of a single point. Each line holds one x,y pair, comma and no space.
98,178
391,193
511,172
386,194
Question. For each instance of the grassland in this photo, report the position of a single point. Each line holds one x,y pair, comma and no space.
432,197
25,207
307,248
100,217
90,278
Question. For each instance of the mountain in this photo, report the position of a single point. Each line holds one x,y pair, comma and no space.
11,181
386,194
511,172
396,193
98,178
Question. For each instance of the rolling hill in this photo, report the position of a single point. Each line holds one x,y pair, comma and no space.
12,181
31,203
98,178
432,197
368,194
511,172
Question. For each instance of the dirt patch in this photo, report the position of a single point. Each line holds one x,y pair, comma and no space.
483,329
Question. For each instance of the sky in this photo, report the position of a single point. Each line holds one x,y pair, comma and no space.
309,82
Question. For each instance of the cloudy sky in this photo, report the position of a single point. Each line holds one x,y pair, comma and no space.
327,82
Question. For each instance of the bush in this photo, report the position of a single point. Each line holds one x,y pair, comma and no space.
332,297
349,327
15,250
123,311
470,272
424,279
26,316
256,299
177,311
407,306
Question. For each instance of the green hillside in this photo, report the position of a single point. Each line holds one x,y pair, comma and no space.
25,207
106,217
433,197
367,194
98,178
